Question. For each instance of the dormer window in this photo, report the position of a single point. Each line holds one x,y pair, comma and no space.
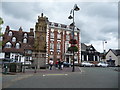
24,40
25,35
8,45
10,33
14,39
17,45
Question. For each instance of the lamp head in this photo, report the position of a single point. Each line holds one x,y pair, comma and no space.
76,8
72,24
70,17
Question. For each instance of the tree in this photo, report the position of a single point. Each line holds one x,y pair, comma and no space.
1,22
73,48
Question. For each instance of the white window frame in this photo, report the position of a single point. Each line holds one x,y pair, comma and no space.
67,37
51,35
58,46
51,46
25,35
24,40
58,36
14,39
10,33
8,45
17,46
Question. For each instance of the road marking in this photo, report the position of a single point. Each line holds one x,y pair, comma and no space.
54,74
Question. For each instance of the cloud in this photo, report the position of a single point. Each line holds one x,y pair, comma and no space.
97,21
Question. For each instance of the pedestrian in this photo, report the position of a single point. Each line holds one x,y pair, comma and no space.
56,64
50,64
59,64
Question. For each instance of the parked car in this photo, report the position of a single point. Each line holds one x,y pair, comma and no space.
102,64
87,64
66,64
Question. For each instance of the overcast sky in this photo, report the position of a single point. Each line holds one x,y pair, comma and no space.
98,21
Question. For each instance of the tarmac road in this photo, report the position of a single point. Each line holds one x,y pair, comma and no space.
84,77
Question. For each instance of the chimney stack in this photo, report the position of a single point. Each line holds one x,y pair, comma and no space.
31,29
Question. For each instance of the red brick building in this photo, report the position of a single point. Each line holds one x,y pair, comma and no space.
58,37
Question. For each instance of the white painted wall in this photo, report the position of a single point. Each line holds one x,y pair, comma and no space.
113,57
2,55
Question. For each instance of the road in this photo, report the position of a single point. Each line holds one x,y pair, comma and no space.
88,77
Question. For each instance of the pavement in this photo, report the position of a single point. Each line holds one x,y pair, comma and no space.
46,71
12,77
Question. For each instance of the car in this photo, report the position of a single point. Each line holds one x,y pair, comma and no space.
102,64
66,64
87,64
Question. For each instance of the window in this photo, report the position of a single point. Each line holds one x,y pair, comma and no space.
29,52
1,38
52,35
67,45
10,33
76,37
13,39
59,36
17,45
24,40
58,45
25,35
52,46
67,37
8,45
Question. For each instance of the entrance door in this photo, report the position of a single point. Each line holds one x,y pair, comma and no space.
67,59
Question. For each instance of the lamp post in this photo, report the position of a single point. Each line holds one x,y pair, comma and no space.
24,61
75,8
104,42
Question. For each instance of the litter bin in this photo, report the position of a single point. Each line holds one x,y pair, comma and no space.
15,67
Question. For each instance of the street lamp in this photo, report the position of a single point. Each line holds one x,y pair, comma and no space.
75,8
104,42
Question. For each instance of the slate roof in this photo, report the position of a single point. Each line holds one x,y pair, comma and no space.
116,52
87,48
19,35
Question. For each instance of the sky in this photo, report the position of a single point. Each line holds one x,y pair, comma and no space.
97,20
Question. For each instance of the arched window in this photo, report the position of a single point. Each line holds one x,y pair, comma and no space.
10,33
25,34
14,39
8,45
24,40
17,45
